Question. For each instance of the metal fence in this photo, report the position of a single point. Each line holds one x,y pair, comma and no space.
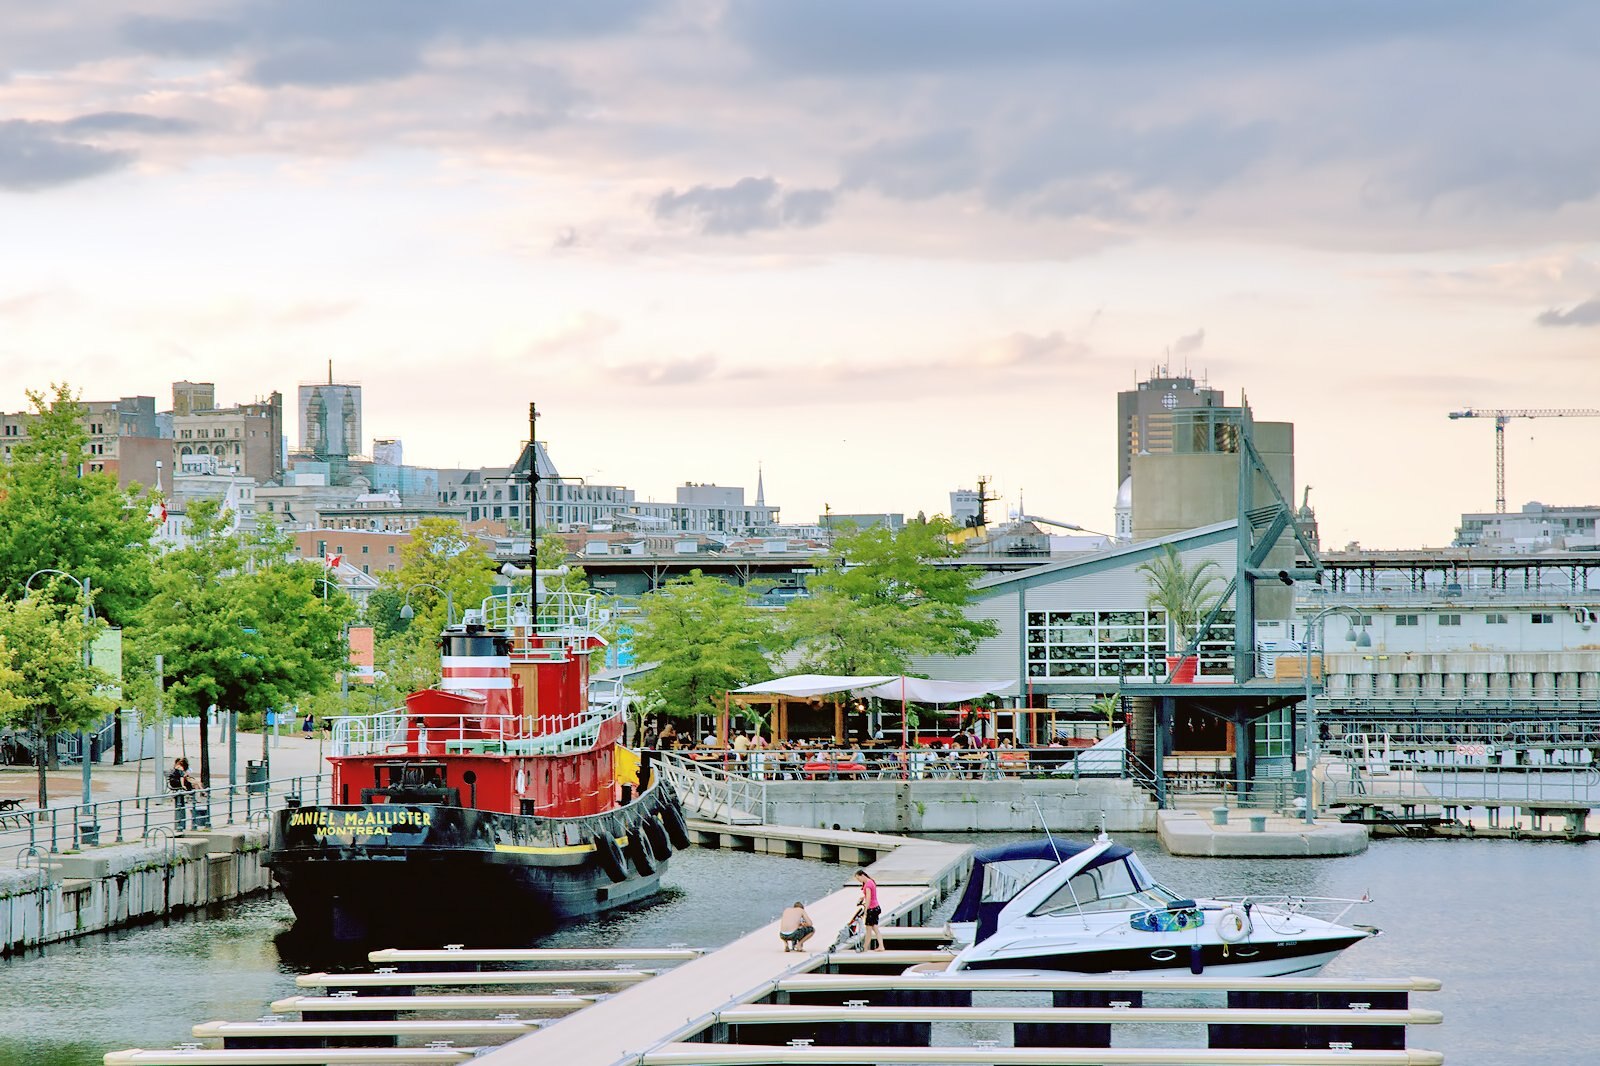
69,827
918,764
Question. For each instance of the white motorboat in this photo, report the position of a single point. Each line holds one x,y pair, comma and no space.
1052,905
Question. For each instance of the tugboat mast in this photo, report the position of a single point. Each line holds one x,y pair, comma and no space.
533,514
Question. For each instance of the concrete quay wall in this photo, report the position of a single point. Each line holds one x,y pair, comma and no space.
109,887
1068,806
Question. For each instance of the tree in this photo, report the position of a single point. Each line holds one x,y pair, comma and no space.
239,625
55,513
704,638
886,602
45,683
1185,593
438,556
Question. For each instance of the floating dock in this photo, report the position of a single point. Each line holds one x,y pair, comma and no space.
752,1003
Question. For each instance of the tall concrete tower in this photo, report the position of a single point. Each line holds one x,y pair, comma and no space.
1144,414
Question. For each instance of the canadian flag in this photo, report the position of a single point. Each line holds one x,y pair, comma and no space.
158,512
333,561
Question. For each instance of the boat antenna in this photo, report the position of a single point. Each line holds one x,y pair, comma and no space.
1047,835
533,515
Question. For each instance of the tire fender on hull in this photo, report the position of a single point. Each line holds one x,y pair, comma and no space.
656,836
639,851
677,827
609,856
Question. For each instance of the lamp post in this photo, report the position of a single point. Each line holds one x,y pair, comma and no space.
88,615
407,612
1361,641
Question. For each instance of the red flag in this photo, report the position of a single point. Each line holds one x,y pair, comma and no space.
333,561
158,512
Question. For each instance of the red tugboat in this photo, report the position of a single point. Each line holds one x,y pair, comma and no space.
489,806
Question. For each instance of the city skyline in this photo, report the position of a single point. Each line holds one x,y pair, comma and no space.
878,249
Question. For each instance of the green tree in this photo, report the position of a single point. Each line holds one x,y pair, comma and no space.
45,684
239,625
439,556
55,513
704,638
1186,593
886,602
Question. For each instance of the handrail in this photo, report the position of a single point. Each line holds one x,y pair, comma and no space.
70,826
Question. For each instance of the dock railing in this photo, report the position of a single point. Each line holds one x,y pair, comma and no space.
1466,786
73,826
844,763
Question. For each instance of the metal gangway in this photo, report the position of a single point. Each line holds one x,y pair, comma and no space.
708,791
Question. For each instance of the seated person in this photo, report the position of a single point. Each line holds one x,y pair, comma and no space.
795,927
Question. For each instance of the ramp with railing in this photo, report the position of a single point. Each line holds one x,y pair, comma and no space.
710,792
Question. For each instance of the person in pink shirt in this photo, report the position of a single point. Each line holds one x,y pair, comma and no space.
871,912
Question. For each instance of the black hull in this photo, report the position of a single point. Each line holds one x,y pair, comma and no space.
419,875
1289,956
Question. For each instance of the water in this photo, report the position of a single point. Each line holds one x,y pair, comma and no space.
1506,925
71,1003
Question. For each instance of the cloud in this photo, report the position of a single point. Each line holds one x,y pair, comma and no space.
689,370
896,36
582,333
35,156
919,167
1189,342
746,206
1029,349
1584,314
125,122
315,44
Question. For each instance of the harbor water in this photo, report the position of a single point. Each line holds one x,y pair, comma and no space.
1505,924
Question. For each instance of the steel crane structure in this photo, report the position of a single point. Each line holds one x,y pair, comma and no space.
1501,416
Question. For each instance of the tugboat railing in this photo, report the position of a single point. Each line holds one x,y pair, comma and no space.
562,613
397,732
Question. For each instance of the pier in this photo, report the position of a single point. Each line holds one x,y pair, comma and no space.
751,1003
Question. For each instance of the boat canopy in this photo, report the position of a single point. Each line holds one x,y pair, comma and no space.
999,873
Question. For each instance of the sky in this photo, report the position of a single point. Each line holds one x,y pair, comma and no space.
875,249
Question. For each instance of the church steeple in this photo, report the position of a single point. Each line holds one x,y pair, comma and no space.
761,490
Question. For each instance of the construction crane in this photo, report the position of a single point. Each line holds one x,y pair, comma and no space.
1501,417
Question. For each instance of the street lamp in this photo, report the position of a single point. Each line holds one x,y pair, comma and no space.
408,613
1363,640
88,615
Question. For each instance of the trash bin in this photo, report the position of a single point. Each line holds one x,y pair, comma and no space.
1258,823
88,834
202,816
255,777
1219,816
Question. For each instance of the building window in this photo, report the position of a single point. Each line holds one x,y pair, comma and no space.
1495,618
1405,620
364,569
363,549
1449,619
391,549
1541,618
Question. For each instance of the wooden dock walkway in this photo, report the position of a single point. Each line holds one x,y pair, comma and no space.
667,1007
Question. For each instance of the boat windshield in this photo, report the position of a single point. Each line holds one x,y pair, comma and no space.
1121,884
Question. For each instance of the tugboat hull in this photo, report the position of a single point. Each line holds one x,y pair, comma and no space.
415,874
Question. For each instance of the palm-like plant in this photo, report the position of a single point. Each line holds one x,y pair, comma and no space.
1185,593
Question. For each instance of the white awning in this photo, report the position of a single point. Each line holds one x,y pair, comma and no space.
802,685
922,690
884,686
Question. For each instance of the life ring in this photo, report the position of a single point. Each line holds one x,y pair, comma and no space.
1233,925
609,856
656,836
677,828
639,851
